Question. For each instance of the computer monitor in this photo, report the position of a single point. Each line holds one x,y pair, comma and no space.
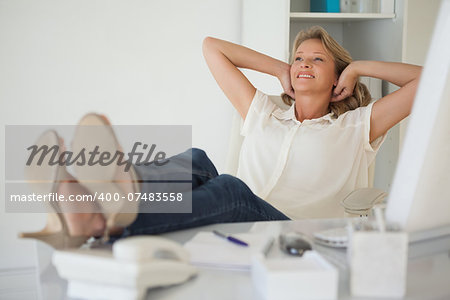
419,199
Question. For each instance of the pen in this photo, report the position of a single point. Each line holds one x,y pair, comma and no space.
230,238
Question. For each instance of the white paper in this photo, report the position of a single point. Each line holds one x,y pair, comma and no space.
209,250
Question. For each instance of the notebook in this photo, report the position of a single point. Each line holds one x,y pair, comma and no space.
208,250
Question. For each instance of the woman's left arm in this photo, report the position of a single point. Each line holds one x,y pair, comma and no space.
392,108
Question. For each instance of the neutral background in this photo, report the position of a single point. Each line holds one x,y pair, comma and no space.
139,62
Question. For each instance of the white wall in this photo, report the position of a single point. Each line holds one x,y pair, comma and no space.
263,21
139,62
418,29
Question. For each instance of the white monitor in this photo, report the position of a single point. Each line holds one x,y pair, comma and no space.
419,199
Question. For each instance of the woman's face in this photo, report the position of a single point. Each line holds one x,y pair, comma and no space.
313,69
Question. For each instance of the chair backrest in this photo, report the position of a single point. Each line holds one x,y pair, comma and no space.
235,142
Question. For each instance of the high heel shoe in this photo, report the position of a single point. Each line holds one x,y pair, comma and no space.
44,179
111,181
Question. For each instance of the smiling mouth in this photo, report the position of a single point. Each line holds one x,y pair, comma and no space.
305,76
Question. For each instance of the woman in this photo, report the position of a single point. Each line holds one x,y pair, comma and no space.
301,161
319,150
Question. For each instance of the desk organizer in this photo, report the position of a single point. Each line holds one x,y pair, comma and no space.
308,277
378,262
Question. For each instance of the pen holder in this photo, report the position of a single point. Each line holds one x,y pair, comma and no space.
378,263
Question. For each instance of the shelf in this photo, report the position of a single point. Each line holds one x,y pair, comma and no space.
338,17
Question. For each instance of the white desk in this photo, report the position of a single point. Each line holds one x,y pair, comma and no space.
428,269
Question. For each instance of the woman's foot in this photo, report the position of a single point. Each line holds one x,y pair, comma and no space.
90,222
94,131
87,223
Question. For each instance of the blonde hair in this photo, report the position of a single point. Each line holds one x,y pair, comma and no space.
342,58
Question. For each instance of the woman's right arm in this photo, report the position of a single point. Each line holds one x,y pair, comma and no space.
224,59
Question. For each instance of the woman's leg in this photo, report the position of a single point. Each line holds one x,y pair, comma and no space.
217,199
222,199
192,164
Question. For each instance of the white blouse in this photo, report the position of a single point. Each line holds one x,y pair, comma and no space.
304,169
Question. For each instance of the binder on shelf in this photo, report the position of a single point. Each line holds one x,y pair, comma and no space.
331,6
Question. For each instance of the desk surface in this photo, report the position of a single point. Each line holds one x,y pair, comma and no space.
428,267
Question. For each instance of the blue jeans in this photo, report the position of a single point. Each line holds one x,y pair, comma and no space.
215,198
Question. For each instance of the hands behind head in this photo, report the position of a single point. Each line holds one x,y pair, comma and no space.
285,80
345,85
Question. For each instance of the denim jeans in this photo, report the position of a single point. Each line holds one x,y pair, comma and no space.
215,198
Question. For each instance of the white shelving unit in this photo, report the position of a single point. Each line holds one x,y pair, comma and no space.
338,17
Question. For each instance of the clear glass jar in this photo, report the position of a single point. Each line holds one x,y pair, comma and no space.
364,6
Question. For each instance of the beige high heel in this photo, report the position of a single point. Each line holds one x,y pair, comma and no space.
45,179
107,181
